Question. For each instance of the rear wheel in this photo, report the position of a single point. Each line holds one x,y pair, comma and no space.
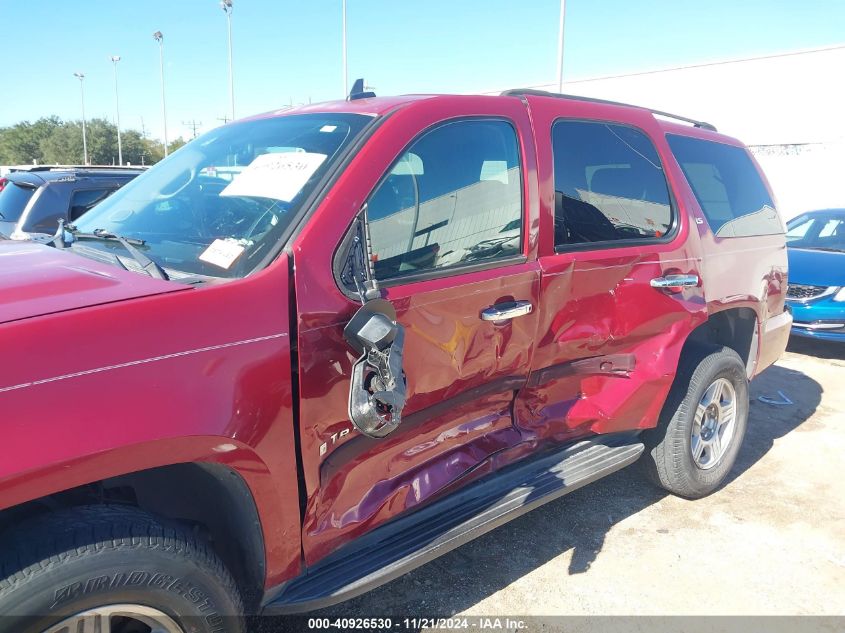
118,618
112,569
702,424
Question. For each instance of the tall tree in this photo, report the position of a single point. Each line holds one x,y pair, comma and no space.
51,141
174,145
21,143
63,146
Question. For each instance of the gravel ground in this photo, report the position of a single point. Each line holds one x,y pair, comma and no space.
771,541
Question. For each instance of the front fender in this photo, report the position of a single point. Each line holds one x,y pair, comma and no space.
202,375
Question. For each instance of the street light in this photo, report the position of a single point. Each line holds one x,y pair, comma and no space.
560,47
114,59
345,73
81,77
226,5
158,37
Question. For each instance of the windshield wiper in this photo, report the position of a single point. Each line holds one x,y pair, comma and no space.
149,266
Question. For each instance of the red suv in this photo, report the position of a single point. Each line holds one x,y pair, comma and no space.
317,348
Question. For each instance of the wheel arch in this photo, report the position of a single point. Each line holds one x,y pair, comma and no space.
215,498
736,327
216,493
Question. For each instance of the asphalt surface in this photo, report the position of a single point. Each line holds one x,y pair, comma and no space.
771,541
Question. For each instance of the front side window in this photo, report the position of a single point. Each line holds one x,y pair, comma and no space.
609,184
453,198
219,205
728,187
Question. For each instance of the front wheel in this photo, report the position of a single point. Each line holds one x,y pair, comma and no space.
112,569
702,424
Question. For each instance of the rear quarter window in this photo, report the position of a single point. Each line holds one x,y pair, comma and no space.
727,186
82,200
13,201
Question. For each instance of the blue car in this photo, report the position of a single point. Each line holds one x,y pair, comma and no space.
816,292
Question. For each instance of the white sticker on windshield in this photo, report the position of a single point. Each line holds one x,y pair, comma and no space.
222,253
279,176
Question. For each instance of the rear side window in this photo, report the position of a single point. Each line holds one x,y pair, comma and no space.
81,201
453,198
727,186
13,201
609,184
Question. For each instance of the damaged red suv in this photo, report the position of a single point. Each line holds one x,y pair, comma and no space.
317,348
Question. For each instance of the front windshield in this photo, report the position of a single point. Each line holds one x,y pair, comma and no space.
219,204
818,232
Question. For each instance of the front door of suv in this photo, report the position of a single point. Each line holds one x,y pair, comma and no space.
449,203
608,341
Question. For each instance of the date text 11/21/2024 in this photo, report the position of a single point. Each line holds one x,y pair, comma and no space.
475,623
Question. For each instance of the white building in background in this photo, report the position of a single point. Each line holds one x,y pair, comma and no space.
789,108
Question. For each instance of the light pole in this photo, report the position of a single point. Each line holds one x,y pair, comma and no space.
81,77
345,73
158,37
114,59
226,5
560,47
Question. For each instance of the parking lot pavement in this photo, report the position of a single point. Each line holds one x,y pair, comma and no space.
771,541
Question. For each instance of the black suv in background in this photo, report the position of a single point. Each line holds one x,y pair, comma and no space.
33,201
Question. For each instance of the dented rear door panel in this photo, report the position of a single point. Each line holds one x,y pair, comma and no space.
608,343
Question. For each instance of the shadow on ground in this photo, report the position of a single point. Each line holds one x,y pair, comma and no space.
768,422
577,522
815,347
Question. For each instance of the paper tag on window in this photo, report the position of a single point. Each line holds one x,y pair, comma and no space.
279,176
222,253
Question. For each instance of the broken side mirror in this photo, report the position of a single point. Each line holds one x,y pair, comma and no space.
377,389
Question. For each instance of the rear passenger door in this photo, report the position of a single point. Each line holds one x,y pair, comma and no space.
608,340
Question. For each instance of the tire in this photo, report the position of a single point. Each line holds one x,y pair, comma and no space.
669,461
81,559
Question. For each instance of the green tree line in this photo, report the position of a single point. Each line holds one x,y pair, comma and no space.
50,140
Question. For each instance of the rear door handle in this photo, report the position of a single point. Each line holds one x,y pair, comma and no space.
507,310
675,281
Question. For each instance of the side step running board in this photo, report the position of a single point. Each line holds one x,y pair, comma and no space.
421,536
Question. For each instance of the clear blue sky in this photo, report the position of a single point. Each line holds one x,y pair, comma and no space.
290,50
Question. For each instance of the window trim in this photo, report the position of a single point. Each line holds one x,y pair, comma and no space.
30,205
456,269
675,220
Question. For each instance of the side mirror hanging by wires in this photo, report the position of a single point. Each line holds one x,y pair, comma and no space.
377,390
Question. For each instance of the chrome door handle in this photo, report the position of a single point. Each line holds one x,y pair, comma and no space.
675,281
508,310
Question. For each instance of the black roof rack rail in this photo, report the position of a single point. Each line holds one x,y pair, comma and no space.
518,92
37,168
